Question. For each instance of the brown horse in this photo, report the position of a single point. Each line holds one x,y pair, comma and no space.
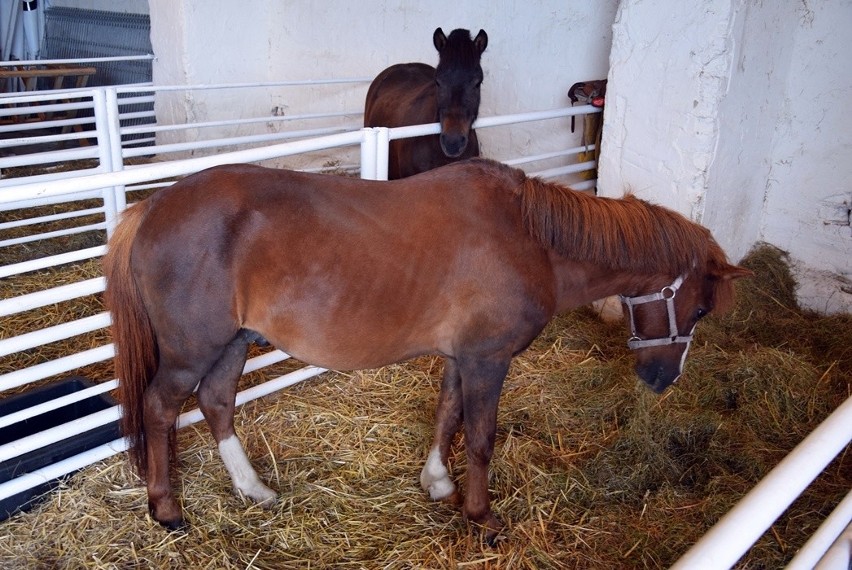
416,93
469,261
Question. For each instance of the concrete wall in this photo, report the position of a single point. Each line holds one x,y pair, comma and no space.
737,114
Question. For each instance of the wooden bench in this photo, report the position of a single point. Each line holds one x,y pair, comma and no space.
30,75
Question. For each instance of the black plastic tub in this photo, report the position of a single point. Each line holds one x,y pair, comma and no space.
55,452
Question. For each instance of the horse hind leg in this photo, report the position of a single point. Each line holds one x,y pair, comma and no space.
435,478
216,398
169,389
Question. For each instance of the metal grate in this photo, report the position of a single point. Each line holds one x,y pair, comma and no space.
74,33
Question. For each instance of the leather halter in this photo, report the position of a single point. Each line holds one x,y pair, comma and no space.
666,294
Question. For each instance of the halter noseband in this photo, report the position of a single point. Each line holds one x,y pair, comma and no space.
666,294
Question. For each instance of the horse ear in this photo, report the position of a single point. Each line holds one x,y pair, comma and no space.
439,39
723,293
732,272
481,41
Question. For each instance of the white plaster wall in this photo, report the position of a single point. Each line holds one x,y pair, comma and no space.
737,114
537,50
809,184
760,51
667,75
209,42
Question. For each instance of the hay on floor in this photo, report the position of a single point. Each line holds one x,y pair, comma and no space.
591,469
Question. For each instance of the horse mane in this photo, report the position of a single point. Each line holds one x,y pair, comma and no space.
625,234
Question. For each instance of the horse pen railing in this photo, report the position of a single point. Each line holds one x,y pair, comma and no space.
110,180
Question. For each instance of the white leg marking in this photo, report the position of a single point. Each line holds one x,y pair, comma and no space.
435,479
246,481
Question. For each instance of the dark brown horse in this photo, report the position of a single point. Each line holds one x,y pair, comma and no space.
416,93
469,261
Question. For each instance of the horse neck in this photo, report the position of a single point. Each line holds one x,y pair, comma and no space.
579,283
604,246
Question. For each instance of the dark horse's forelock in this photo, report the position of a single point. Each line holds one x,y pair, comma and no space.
627,234
460,50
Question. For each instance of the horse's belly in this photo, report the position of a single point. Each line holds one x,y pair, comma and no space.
339,346
366,333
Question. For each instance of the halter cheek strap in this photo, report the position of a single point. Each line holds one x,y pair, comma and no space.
666,294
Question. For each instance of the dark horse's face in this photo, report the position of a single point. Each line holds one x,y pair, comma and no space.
662,322
457,80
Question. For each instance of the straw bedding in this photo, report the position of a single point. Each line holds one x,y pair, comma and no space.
591,469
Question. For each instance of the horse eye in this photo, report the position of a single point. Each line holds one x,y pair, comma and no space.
701,312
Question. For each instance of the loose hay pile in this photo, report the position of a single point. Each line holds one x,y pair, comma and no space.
591,470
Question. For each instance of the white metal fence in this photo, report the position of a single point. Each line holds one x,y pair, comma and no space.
108,182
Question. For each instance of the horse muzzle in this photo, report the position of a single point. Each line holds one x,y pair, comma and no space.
453,144
658,374
659,360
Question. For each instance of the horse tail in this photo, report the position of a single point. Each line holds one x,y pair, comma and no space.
136,350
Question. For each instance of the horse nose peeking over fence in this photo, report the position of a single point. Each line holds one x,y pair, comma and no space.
239,253
416,93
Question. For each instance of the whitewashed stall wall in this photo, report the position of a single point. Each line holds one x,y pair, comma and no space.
737,113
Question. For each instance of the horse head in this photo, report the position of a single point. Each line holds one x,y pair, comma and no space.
457,80
662,322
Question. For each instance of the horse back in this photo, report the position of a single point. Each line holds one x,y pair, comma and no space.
401,95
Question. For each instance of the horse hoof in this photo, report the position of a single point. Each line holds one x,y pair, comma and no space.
491,538
490,530
260,494
268,503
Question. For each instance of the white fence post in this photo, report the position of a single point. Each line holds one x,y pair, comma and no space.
113,118
374,153
382,152
829,533
104,118
109,126
368,153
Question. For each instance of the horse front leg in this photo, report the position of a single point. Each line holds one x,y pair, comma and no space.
482,382
435,477
216,398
